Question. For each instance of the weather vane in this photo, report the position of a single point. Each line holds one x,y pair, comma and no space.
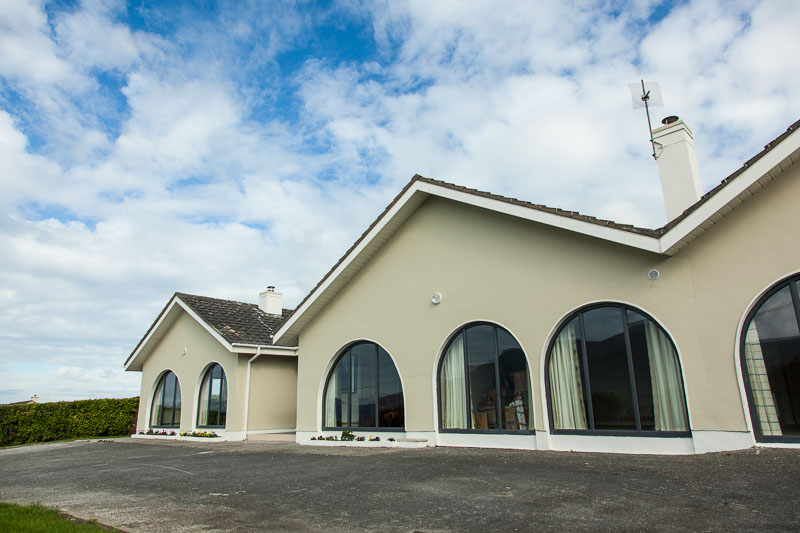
647,95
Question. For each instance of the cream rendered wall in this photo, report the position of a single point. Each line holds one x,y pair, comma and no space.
273,393
201,350
527,277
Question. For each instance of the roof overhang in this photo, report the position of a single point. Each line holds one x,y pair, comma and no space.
769,164
167,318
750,180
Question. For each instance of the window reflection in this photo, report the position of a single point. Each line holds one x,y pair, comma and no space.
771,352
626,363
166,410
364,390
213,398
484,382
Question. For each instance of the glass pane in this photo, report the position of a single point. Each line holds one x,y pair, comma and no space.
482,376
338,402
169,390
158,402
390,392
176,421
223,400
362,387
779,339
659,384
567,394
214,398
609,379
641,369
203,418
513,382
453,386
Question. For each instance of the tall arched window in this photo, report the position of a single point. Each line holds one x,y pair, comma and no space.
770,351
483,382
166,411
612,369
364,390
213,398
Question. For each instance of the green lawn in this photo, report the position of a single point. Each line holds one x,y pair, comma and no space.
35,518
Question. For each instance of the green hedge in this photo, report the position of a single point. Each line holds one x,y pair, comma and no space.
25,424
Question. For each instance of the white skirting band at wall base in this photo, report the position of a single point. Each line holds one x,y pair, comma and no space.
477,440
699,442
635,445
233,435
269,431
722,441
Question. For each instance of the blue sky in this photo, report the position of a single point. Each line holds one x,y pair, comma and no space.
219,147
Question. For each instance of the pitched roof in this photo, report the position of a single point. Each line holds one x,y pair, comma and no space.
669,239
236,322
239,326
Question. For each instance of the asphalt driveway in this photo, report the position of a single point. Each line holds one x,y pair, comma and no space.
175,486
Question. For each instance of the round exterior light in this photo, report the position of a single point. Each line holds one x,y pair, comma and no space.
436,298
653,274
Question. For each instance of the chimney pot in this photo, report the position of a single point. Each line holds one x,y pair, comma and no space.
669,120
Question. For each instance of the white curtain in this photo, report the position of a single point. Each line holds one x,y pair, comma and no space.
454,386
759,384
158,404
330,400
566,397
204,400
668,400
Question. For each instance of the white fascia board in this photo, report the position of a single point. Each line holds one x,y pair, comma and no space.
634,240
152,332
760,169
348,260
642,242
264,349
176,301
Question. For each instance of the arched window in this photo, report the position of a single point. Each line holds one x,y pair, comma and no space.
611,369
213,398
480,360
364,390
770,352
166,411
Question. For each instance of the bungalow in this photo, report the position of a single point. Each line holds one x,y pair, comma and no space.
463,318
204,353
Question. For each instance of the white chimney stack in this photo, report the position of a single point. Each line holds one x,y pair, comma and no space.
271,302
677,166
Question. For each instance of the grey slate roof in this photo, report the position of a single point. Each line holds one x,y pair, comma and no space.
236,322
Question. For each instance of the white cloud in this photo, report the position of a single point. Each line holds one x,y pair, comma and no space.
29,53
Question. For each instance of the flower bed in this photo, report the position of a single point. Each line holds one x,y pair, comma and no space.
348,438
183,435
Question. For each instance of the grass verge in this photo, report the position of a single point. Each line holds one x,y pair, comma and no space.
36,518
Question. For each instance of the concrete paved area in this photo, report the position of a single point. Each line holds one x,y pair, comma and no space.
255,486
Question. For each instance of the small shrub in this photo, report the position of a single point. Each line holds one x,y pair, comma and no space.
348,435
